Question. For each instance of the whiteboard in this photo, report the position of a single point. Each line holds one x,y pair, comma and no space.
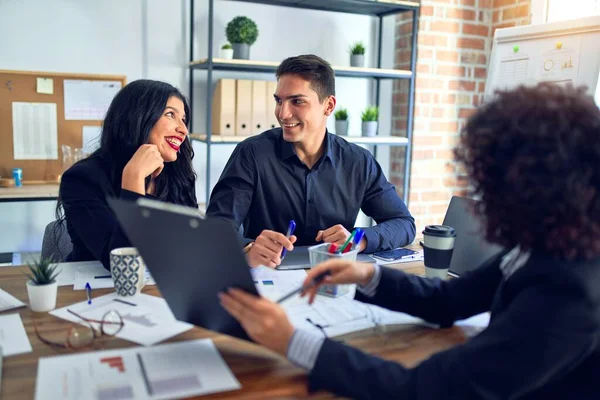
561,52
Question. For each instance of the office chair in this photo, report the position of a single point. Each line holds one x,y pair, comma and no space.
56,242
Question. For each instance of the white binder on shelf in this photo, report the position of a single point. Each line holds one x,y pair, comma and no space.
243,108
223,112
259,106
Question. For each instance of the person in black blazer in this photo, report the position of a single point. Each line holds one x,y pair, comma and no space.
533,157
144,151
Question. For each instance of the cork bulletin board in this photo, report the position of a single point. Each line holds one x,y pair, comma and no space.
22,86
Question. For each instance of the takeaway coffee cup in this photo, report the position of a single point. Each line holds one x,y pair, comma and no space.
127,269
438,244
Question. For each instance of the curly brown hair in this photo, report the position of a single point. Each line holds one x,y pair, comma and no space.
533,158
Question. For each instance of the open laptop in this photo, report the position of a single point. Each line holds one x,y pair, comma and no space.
471,249
190,258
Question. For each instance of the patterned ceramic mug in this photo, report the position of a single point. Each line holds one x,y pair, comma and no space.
127,269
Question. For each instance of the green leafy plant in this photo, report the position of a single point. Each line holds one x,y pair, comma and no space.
42,272
241,30
357,48
370,113
226,46
341,114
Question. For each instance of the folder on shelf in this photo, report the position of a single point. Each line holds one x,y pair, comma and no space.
243,108
223,112
259,106
271,119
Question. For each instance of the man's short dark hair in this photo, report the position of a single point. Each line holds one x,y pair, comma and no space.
312,69
533,156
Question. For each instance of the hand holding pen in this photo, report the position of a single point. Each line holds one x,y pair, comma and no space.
267,248
338,235
289,233
336,271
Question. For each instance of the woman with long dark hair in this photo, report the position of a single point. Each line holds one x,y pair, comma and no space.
144,151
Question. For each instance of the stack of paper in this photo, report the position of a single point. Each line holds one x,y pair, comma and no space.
169,371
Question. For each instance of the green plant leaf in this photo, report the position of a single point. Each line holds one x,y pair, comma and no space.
341,114
42,271
241,30
357,48
370,113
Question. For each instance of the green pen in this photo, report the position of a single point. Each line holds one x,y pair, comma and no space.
347,241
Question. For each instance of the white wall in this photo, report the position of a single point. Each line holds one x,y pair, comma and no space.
149,39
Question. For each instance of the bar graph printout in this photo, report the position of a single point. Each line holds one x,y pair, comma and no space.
168,371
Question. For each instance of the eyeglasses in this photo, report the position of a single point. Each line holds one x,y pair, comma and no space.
78,336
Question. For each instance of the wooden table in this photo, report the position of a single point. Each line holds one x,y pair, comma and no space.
262,373
47,192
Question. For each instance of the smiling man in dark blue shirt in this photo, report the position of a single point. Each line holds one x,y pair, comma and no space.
303,173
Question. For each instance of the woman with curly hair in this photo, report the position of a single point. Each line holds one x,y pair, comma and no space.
144,151
533,157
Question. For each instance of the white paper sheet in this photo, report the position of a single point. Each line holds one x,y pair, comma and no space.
474,325
8,301
35,131
148,319
88,100
169,371
91,138
80,273
274,284
13,338
514,70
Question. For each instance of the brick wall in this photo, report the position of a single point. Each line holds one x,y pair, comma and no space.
454,44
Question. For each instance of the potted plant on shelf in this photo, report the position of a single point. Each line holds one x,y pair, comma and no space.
226,52
341,121
42,286
241,32
369,121
357,55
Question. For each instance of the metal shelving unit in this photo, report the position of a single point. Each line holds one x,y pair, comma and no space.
378,9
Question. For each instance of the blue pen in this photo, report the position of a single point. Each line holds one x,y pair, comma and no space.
290,232
357,238
88,292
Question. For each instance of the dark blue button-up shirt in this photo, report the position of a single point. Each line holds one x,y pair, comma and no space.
265,185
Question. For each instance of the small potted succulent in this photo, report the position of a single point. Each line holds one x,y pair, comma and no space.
42,286
241,32
226,52
341,121
369,121
357,55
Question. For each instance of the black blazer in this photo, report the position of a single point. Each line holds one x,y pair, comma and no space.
91,224
543,341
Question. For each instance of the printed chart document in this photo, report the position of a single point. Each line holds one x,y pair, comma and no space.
88,100
13,338
8,301
148,319
169,371
35,131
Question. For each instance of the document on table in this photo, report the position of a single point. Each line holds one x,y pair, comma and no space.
274,284
80,273
13,338
8,301
148,319
169,371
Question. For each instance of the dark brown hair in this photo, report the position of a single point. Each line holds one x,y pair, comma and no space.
312,69
533,157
